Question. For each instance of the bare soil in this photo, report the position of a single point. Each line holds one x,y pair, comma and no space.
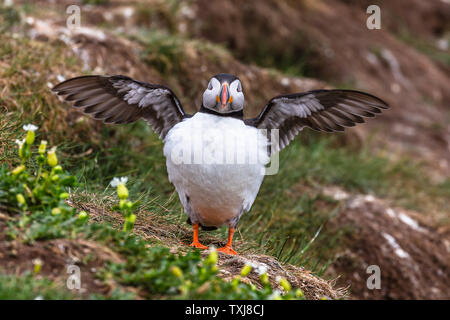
413,256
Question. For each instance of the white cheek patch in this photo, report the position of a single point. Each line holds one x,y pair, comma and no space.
216,85
234,86
238,97
209,96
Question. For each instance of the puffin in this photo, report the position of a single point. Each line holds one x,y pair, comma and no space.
216,158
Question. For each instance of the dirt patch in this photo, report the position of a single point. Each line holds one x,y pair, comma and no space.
98,50
313,287
55,256
414,257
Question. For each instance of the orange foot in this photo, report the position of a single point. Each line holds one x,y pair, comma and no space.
198,245
227,250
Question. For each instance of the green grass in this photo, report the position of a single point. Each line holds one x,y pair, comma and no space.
9,17
29,287
296,61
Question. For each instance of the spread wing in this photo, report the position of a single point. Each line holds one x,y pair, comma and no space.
119,99
321,110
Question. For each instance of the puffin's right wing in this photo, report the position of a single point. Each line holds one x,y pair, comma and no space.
119,99
321,110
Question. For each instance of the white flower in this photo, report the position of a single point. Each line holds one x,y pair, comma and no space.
262,269
20,142
276,294
37,261
30,127
116,181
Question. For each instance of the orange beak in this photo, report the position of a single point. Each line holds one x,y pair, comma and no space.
224,95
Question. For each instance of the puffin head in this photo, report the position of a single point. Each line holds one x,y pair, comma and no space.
224,94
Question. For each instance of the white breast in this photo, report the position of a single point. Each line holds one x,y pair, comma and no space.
217,165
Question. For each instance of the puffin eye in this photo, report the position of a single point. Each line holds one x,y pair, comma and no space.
239,87
210,86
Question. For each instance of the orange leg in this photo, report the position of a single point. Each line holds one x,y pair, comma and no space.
195,243
227,248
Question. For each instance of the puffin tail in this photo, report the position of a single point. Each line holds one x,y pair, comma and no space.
205,228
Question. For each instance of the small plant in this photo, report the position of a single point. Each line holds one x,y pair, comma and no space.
125,206
188,276
29,287
37,188
9,16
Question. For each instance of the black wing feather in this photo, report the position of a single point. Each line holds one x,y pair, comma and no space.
321,110
120,99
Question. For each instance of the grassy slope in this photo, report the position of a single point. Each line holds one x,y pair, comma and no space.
289,211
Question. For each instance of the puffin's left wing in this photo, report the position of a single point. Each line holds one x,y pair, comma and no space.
321,110
120,99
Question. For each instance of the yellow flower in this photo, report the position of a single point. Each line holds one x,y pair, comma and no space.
30,137
20,199
83,216
42,147
285,284
212,257
52,160
20,143
30,129
246,270
18,170
176,271
264,278
122,191
64,195
56,211
132,218
37,265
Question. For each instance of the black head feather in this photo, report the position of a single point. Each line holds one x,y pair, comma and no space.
225,77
